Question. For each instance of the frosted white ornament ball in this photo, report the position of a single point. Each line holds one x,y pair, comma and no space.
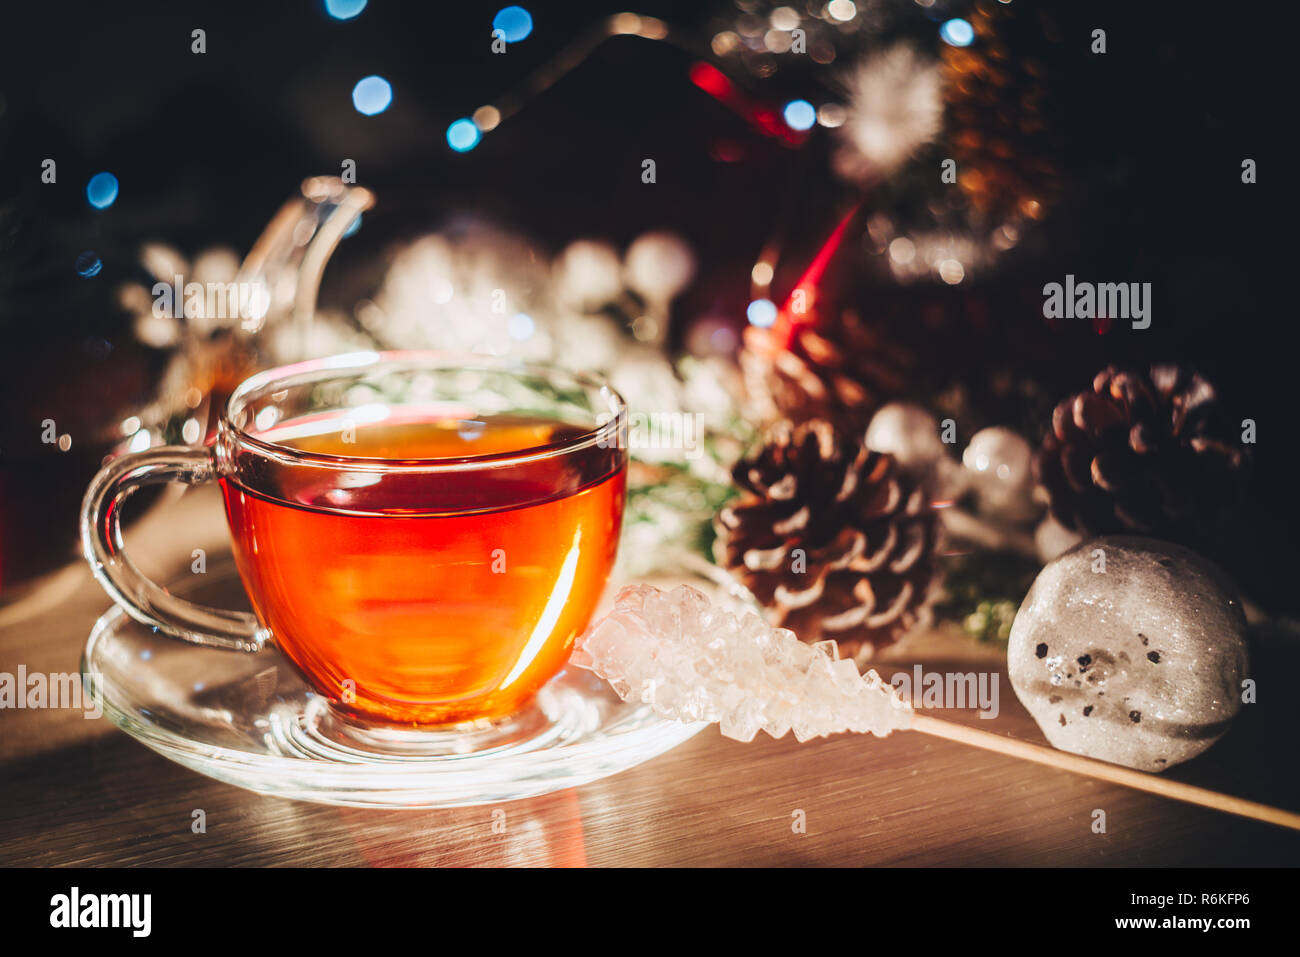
588,274
908,432
1130,650
659,266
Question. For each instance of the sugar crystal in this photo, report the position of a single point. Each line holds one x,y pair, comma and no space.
693,661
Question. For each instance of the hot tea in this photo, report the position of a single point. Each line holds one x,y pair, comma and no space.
435,597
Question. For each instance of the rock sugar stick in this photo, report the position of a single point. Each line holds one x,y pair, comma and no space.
691,660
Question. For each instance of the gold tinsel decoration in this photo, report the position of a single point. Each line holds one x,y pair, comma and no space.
998,94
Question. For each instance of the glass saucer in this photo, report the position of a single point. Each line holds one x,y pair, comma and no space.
248,719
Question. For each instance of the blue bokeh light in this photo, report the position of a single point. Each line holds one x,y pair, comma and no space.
351,230
761,313
372,95
102,190
344,9
521,327
463,135
957,32
515,23
800,115
88,264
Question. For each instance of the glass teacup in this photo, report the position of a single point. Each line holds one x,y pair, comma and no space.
424,536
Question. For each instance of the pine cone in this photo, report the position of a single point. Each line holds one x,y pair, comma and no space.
842,373
1147,454
831,536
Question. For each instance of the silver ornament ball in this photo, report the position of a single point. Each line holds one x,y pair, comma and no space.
999,463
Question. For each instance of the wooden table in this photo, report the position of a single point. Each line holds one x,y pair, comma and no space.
79,792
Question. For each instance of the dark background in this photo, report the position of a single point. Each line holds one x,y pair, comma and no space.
207,147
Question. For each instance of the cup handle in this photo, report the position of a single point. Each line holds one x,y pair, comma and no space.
142,599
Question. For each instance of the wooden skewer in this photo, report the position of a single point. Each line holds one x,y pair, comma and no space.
1091,767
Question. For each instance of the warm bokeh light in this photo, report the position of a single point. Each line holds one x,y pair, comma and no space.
487,118
842,10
